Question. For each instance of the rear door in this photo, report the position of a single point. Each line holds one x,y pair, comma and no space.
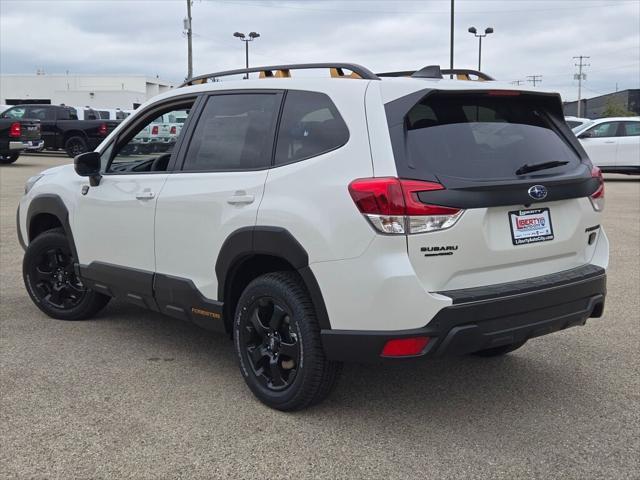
512,175
601,143
629,145
218,188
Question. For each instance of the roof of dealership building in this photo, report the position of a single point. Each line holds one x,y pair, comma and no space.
97,90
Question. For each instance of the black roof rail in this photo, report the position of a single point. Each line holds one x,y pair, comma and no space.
434,71
336,69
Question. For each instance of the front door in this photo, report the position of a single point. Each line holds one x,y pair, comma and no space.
601,143
115,220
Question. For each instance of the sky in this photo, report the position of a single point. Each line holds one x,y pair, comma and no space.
531,37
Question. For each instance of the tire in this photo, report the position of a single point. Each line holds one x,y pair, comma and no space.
48,273
277,340
499,351
75,146
8,158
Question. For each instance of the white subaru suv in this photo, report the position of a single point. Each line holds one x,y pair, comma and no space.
359,217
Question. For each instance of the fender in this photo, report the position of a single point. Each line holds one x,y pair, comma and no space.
51,204
277,242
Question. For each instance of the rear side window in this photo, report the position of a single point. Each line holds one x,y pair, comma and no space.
631,129
234,132
67,114
480,136
91,115
40,113
311,125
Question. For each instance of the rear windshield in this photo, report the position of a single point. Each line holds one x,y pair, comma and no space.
481,136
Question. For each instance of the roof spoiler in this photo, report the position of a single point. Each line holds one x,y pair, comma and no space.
434,71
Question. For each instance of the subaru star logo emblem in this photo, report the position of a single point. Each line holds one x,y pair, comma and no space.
538,192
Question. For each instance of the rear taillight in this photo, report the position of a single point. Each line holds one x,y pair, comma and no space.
15,130
102,130
597,197
154,130
173,130
392,205
405,347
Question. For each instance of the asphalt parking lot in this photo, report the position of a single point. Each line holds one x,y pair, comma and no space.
134,394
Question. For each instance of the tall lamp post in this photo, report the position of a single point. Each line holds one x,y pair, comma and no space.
246,39
480,36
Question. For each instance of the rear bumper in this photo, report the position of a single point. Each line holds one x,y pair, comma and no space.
26,145
488,317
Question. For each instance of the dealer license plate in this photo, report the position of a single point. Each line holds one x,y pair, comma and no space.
530,226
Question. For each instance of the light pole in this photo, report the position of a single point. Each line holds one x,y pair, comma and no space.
187,27
251,37
480,36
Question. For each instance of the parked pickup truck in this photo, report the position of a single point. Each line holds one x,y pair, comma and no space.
17,136
61,128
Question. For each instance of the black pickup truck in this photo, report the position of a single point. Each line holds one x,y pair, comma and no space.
17,136
61,128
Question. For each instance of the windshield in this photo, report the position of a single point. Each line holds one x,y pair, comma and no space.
481,136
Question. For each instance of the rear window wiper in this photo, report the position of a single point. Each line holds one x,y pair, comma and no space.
526,168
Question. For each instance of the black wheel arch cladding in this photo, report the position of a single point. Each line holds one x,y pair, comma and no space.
272,241
51,204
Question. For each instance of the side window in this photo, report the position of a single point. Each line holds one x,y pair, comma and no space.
607,129
90,114
148,147
631,129
16,112
311,125
40,113
67,114
234,132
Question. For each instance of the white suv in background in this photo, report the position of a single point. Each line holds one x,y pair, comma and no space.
576,122
613,143
321,220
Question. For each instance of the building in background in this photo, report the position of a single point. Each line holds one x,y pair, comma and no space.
597,107
99,91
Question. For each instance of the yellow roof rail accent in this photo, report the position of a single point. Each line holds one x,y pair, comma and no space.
337,72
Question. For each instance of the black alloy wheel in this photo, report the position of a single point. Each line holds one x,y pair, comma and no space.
75,146
278,343
49,276
271,343
54,280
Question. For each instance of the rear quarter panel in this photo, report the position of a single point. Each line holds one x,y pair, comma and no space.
311,199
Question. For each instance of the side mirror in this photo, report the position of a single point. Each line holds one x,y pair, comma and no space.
585,135
88,165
